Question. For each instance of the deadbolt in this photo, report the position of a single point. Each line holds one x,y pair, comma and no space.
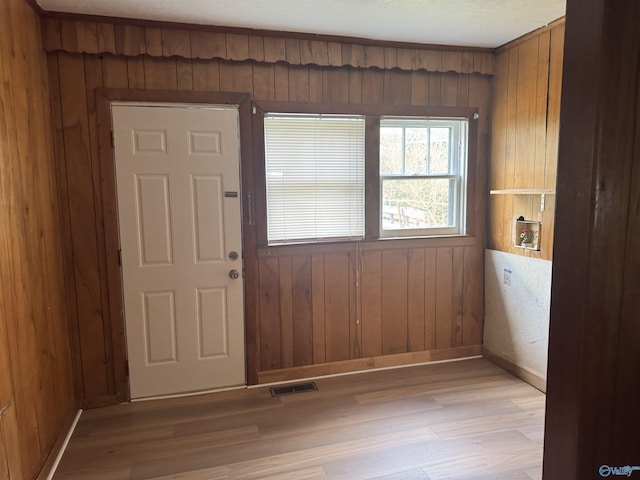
233,255
234,274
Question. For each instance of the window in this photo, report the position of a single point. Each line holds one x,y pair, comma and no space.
314,167
335,173
422,176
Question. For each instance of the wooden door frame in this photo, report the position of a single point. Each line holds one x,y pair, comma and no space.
592,415
114,321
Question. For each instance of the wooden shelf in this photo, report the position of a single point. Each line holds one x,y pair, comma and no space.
524,191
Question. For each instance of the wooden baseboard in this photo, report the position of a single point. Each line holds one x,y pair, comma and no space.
51,462
363,364
523,373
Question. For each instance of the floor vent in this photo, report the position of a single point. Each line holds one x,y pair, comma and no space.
290,389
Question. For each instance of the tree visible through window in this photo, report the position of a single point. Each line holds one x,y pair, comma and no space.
316,165
422,176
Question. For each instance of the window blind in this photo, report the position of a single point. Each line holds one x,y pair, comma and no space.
314,177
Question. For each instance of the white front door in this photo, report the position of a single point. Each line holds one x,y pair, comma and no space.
178,182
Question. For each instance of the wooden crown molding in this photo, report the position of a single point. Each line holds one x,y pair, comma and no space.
95,35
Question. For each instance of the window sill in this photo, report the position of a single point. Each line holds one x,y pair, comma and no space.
366,245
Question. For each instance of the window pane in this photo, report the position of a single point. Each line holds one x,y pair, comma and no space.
417,203
440,139
416,143
314,177
391,151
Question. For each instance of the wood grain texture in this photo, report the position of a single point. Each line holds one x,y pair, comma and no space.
430,280
338,326
82,215
318,307
444,297
595,241
372,304
270,336
357,365
415,300
36,375
524,137
454,421
75,35
394,302
391,301
337,308
302,310
286,311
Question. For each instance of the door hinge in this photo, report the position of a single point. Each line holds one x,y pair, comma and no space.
113,141
120,256
126,367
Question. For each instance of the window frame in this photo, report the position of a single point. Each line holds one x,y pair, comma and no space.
256,203
358,153
459,159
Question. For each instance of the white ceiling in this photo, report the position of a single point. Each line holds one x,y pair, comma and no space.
477,23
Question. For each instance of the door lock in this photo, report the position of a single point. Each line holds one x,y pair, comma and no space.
234,274
233,255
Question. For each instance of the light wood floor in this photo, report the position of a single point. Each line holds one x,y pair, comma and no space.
461,420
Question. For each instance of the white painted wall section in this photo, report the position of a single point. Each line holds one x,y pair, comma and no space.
517,306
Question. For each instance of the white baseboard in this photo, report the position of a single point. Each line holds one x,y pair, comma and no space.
63,447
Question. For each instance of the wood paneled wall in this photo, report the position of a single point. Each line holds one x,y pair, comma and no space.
36,378
158,39
294,289
325,308
524,140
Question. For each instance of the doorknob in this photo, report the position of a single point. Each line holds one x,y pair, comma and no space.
234,274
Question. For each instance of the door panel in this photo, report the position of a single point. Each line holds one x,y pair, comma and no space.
154,219
159,313
184,314
208,208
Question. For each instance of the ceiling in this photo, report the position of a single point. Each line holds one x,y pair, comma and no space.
475,23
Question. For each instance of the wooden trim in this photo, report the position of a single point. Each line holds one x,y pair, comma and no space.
473,167
107,172
366,245
260,201
519,371
170,96
593,388
98,37
59,444
112,247
369,109
369,363
372,178
523,191
527,36
250,260
51,14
